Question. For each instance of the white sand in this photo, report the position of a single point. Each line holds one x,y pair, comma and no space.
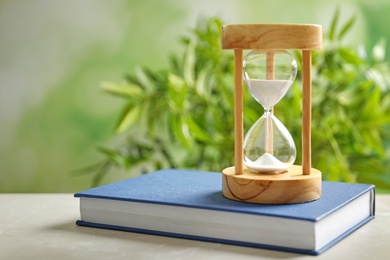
268,92
267,163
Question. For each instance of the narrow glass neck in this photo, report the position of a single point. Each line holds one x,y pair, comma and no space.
268,110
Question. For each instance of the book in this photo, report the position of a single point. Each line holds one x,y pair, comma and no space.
189,204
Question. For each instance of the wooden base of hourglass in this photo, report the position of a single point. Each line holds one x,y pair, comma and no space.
288,187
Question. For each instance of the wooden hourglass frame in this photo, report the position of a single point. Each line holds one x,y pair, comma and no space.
299,183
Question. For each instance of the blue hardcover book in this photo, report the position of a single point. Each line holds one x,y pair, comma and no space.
190,204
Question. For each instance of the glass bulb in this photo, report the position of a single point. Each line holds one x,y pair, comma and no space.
268,145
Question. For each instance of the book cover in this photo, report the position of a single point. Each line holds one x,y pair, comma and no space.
190,204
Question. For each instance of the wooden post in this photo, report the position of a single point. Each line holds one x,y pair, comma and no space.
270,75
306,112
238,113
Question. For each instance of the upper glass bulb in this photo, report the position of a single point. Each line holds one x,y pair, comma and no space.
269,75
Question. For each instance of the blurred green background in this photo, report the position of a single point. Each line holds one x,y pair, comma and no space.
54,55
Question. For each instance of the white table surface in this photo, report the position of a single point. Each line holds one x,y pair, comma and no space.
42,226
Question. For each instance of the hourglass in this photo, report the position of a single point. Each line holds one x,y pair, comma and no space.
268,145
264,170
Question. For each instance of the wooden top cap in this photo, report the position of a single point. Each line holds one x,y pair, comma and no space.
272,36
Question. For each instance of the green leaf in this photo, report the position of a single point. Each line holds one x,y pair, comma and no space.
177,92
377,77
201,83
101,173
346,27
129,116
175,82
112,154
189,64
180,131
114,157
143,79
332,30
197,131
379,50
122,89
350,56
